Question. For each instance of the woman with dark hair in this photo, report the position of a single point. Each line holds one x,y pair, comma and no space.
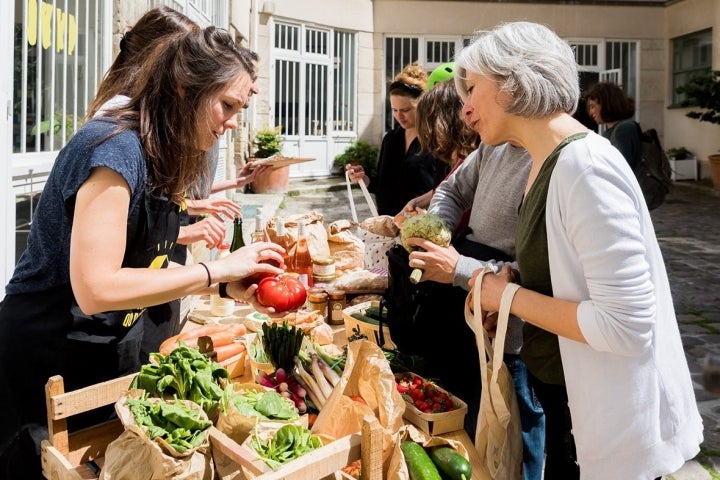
404,171
153,28
104,228
607,104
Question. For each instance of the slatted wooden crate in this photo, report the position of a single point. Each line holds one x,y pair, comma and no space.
79,455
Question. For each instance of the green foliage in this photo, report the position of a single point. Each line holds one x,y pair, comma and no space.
361,153
679,153
268,142
703,91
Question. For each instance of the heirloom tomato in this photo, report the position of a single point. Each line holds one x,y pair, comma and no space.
282,293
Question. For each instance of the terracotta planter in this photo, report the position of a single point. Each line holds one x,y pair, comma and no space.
275,180
715,170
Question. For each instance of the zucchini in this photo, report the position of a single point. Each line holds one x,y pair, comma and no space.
451,463
420,467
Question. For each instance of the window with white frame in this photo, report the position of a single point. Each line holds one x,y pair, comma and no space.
430,52
692,55
314,81
57,64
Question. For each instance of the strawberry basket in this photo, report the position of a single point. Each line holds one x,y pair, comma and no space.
427,406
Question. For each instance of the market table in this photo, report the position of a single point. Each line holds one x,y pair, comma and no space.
340,339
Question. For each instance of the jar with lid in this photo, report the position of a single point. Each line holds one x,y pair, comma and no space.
323,268
317,299
336,305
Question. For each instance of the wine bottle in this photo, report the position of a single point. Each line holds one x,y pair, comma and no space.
302,262
259,234
282,241
237,240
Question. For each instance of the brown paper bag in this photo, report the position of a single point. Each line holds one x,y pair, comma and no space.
398,469
367,374
134,456
314,231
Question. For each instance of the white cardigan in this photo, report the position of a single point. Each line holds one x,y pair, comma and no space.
632,402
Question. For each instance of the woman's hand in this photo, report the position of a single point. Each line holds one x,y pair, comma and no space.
357,173
249,172
492,289
211,230
437,263
256,258
214,206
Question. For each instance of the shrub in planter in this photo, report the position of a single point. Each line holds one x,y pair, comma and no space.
267,142
679,153
358,152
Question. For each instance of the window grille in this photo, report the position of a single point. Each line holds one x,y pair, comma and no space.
315,88
344,82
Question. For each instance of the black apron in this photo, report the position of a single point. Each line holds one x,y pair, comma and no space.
44,334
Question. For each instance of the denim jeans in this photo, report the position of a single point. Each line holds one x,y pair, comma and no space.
532,418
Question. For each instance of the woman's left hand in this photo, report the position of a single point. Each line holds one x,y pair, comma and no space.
437,263
214,206
492,289
249,172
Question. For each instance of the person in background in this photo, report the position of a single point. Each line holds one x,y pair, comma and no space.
103,230
439,132
601,339
403,171
608,105
153,28
481,195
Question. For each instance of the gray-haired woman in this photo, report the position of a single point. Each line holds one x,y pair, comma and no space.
600,323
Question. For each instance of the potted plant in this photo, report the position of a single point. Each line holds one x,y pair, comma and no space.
683,163
267,143
703,92
360,153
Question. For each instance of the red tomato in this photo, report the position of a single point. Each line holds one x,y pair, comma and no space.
282,293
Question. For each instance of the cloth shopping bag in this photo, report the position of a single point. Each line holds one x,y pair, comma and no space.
378,233
498,437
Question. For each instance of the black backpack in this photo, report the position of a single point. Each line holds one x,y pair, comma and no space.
653,173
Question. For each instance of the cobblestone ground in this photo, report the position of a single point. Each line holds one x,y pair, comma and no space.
688,230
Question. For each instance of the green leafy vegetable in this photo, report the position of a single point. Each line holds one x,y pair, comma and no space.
288,443
186,374
176,423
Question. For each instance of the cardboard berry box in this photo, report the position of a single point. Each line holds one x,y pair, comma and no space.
434,423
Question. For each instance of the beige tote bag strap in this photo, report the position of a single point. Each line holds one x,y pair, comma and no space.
351,198
501,332
474,320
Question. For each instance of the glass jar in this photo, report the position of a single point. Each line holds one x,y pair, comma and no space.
336,305
318,301
323,269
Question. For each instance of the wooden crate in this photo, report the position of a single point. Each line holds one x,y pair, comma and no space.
79,455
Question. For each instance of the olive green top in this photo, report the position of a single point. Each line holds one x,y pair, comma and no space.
540,350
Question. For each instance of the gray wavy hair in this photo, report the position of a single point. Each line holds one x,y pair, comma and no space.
527,60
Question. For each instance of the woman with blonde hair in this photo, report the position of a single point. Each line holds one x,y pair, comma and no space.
404,171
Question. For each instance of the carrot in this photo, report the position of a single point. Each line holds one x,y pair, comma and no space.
228,351
221,334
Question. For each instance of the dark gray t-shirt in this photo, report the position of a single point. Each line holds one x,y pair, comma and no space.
46,261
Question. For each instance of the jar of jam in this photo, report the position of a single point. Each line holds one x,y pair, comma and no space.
336,305
323,269
317,299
